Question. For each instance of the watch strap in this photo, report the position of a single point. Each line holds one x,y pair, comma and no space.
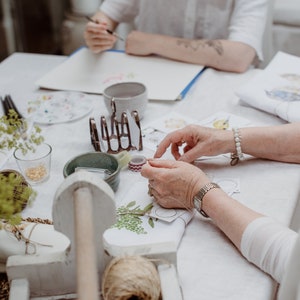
200,195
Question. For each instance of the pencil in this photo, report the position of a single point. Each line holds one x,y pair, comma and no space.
107,30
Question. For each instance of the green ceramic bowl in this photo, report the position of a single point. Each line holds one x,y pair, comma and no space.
106,165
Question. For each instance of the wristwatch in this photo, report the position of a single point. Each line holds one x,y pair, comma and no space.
199,197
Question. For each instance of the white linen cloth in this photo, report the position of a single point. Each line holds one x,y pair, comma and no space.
276,89
163,236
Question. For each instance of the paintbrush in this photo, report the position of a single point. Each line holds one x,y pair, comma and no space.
107,30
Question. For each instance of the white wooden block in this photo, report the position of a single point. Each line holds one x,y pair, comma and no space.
19,289
54,274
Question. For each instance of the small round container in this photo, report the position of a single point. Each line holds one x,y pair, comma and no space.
105,165
35,165
136,163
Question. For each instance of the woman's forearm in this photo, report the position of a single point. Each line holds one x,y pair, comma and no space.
223,55
280,143
262,240
228,214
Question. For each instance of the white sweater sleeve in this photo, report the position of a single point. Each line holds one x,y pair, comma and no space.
268,244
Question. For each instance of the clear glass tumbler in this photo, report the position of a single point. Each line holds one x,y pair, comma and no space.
35,165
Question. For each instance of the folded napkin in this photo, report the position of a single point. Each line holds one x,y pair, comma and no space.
276,89
159,230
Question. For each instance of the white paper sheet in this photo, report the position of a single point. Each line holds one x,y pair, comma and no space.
87,72
154,132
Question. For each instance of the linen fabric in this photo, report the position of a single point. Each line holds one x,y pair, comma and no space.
276,89
237,20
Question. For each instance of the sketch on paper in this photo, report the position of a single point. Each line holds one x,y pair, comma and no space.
175,123
224,120
286,93
118,77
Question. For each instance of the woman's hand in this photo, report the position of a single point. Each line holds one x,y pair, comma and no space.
194,141
96,36
173,184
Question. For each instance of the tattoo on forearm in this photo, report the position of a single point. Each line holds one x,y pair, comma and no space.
195,45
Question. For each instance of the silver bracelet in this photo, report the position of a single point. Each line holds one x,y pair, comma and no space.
238,155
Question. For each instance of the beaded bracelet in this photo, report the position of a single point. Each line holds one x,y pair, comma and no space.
238,155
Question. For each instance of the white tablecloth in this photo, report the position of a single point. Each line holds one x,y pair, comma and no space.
209,266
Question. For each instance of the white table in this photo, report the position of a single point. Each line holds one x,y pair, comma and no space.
209,266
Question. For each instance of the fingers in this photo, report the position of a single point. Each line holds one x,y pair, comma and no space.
171,183
163,163
155,168
150,190
175,139
157,197
175,150
97,38
164,198
176,146
147,171
165,144
190,154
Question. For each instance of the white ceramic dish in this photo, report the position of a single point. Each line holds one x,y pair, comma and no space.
59,107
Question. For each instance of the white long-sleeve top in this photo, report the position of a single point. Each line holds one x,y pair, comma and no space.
268,244
236,20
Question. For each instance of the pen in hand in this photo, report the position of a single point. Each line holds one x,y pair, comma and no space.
107,30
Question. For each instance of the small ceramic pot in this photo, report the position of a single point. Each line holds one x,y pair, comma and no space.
107,166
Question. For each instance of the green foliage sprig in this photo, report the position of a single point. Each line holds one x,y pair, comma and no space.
13,194
129,217
13,133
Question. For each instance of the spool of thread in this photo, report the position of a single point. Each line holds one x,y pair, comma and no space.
136,163
131,277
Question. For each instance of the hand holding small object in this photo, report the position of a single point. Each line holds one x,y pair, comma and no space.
107,30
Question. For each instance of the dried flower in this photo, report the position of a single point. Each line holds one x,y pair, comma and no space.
13,194
13,133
